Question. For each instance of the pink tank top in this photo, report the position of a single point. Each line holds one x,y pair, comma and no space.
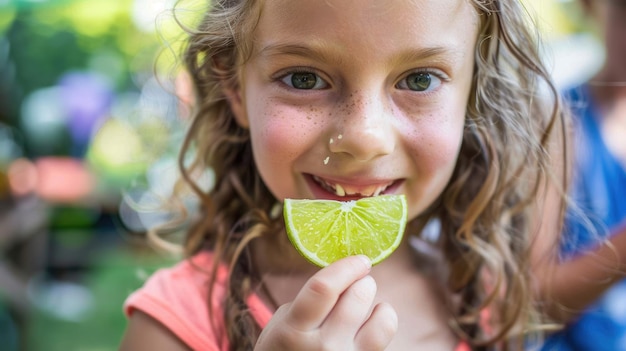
177,298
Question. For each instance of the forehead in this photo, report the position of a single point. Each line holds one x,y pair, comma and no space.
380,25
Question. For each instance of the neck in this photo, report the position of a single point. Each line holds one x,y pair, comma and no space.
275,255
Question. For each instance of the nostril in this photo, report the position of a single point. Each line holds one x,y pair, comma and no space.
364,142
333,143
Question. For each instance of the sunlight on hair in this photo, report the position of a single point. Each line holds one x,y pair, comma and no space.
170,23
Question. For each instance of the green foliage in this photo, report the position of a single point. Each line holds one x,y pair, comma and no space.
115,275
49,40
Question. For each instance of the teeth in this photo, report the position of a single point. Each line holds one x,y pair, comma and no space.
369,190
339,190
343,190
379,190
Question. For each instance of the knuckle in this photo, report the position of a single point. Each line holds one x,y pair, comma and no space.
364,290
388,329
387,325
320,287
380,340
289,342
384,327
289,338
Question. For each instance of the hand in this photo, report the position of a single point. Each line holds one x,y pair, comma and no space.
332,312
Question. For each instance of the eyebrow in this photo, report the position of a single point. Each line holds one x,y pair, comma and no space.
314,50
413,55
317,51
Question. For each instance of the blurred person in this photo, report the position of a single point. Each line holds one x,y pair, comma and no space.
591,283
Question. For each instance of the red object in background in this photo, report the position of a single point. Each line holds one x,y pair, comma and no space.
22,177
54,179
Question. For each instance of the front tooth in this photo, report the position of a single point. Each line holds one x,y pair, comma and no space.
372,191
366,191
348,190
339,190
379,190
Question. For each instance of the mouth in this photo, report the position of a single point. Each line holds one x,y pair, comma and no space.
343,191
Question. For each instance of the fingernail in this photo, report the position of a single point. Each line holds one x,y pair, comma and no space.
366,260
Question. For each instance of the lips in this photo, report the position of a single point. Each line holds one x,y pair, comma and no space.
351,190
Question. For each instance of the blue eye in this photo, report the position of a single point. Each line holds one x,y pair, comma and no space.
419,81
304,80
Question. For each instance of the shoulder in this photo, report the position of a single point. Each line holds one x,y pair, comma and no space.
175,299
183,287
146,333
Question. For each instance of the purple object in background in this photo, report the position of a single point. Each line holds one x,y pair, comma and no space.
86,98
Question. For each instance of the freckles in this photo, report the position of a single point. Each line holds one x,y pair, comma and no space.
287,132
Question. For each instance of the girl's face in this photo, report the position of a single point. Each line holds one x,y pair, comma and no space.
353,98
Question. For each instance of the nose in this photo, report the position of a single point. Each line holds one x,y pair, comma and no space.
364,128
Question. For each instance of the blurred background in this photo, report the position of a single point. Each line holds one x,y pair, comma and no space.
88,138
89,128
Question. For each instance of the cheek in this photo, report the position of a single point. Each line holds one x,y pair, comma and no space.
273,135
450,131
435,146
436,140
446,142
283,133
282,136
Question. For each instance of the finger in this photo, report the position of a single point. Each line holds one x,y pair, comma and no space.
276,335
378,331
352,308
320,293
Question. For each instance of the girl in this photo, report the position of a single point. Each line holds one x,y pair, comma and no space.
440,100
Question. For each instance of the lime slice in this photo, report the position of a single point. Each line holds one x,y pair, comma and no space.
324,231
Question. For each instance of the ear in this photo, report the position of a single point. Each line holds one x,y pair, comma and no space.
233,94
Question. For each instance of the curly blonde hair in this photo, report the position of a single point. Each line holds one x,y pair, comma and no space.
485,211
